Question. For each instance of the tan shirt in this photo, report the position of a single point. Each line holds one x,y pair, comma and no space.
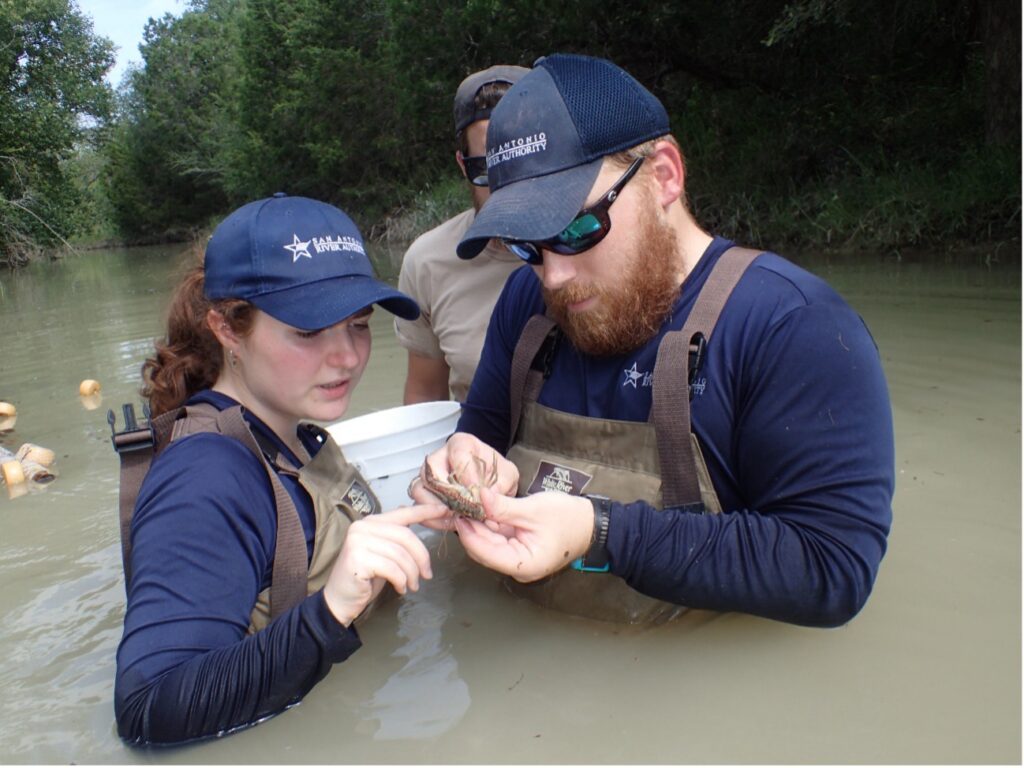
456,298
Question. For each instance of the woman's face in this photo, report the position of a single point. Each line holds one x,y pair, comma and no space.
287,374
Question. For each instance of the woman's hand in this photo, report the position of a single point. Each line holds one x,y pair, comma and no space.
531,537
379,549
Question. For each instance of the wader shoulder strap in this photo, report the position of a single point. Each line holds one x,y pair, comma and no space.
288,586
136,449
525,380
288,580
670,409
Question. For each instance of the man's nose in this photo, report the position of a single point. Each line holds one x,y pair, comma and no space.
558,269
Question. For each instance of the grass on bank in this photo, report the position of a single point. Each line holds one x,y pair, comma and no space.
881,210
430,207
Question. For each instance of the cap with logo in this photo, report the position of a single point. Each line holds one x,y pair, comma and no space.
546,142
299,260
466,111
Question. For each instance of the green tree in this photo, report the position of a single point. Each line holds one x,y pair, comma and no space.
802,120
318,105
165,174
52,100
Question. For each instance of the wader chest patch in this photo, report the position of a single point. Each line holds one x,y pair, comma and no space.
359,498
557,477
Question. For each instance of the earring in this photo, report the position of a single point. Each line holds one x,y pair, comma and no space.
232,359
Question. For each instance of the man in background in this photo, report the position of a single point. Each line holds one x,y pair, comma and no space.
456,296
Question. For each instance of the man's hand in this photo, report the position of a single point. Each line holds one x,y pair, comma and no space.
531,537
473,461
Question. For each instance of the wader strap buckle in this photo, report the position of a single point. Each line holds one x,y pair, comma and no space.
698,348
134,437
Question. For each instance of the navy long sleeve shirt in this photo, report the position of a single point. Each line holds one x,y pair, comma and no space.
793,416
203,537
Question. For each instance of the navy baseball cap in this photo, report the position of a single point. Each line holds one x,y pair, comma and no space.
466,112
547,139
301,261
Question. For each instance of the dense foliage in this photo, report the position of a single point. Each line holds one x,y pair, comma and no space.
163,172
803,121
52,100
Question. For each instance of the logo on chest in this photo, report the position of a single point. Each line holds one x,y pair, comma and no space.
636,378
557,477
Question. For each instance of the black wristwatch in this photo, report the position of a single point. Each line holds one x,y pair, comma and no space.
596,558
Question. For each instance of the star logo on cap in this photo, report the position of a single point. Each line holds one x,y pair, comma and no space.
299,248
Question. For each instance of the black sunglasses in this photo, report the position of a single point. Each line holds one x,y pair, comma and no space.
476,169
586,230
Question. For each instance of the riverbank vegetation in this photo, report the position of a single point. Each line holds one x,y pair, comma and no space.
813,123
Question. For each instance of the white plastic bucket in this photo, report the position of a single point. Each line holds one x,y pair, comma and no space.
388,447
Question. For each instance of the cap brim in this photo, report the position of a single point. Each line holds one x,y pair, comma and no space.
531,209
313,306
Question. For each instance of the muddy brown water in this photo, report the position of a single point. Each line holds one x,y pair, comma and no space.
463,672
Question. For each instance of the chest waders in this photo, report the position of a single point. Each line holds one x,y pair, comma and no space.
340,496
659,461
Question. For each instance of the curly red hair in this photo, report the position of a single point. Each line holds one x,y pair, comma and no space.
190,358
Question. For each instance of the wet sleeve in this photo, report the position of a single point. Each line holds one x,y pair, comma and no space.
814,458
203,537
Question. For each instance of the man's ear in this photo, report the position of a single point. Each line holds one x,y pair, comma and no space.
462,165
219,327
668,169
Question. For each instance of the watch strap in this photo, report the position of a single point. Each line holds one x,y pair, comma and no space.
596,558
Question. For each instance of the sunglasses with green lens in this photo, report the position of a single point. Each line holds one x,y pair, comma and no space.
586,230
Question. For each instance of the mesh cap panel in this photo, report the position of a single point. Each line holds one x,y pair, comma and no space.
610,109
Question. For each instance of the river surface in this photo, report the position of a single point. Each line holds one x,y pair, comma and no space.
463,672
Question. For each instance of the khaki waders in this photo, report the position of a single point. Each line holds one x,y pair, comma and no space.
658,461
340,496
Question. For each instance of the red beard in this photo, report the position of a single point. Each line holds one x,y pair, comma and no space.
630,312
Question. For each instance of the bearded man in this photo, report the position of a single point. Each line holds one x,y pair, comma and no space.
680,422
